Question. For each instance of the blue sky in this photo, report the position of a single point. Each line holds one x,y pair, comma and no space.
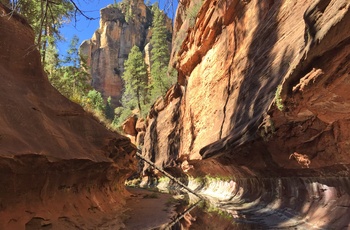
85,28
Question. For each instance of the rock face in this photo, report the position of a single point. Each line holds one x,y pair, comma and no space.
161,139
238,61
60,168
110,45
230,75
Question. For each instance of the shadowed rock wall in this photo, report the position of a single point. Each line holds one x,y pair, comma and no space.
59,167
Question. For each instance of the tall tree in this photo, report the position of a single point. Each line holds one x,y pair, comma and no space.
71,79
52,60
135,79
160,53
109,112
78,77
72,57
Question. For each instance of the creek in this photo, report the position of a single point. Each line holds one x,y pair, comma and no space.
251,203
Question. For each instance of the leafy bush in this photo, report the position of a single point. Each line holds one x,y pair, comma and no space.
95,100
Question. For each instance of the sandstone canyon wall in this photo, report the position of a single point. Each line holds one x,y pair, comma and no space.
263,98
110,45
231,63
59,167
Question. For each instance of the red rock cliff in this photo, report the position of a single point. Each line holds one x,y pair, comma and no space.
238,62
242,59
60,168
110,46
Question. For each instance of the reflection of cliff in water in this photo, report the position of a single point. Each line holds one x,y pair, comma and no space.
202,215
270,203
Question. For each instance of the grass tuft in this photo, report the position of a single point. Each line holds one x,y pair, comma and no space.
278,99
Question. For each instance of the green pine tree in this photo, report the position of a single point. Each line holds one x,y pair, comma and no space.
160,81
109,112
135,79
52,60
71,79
72,57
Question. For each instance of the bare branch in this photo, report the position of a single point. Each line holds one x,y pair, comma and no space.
77,9
43,19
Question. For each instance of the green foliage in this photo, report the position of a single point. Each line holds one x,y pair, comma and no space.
135,84
126,8
164,179
133,183
46,18
109,112
71,80
221,212
95,101
69,76
191,16
128,13
278,99
52,61
172,73
211,179
140,89
160,81
73,57
121,114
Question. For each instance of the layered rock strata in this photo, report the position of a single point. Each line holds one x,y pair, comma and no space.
59,167
264,95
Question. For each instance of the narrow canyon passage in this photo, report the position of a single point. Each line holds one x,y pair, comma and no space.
247,203
257,122
288,202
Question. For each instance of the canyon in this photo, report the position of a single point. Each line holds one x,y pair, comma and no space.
60,167
259,117
262,99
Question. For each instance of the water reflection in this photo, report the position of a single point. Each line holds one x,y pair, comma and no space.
202,215
268,203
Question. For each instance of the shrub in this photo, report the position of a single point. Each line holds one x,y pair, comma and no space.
278,99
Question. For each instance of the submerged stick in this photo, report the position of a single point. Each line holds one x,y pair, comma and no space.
138,153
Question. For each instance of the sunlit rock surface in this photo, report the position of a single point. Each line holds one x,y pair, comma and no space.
232,59
59,167
110,45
